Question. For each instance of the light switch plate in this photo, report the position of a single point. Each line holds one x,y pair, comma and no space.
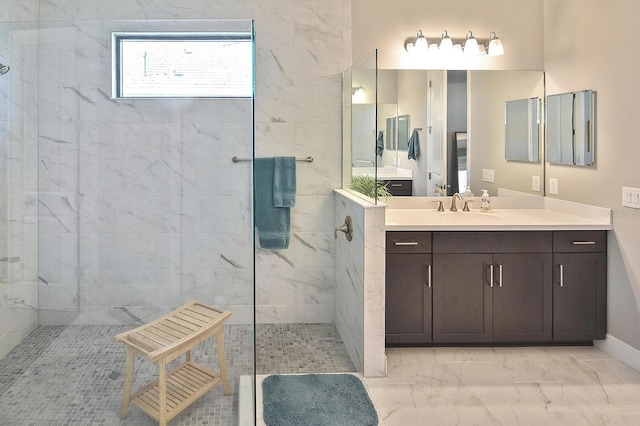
553,186
488,175
535,183
631,197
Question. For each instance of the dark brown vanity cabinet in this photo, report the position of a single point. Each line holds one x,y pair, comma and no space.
492,287
580,285
496,287
408,288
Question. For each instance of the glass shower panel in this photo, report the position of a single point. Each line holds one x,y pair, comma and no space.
18,184
361,153
141,206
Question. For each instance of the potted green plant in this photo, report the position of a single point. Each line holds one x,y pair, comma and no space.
368,186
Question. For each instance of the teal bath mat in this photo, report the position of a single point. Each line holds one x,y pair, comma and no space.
316,400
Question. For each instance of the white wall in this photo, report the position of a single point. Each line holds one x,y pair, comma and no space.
386,25
607,64
142,207
581,44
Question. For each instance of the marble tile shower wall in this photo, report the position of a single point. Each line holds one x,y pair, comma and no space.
142,208
18,186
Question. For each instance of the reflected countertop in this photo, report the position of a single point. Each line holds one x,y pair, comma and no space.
384,173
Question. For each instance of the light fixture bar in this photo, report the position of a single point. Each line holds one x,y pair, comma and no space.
470,45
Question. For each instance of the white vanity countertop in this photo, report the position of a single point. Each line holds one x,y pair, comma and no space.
531,215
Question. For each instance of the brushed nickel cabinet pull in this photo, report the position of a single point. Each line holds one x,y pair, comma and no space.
500,275
584,243
428,275
561,275
491,275
408,243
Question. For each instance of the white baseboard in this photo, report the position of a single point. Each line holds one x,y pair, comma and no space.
620,350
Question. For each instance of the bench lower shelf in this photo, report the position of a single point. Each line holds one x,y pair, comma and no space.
185,384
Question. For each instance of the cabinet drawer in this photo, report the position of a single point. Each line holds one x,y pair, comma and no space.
579,241
399,187
492,242
408,242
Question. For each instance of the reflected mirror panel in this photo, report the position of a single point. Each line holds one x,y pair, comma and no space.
522,130
403,132
570,123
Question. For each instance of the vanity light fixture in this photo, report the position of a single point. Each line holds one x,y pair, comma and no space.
472,46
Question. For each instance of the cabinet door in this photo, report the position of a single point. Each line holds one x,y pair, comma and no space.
522,297
461,298
408,298
579,296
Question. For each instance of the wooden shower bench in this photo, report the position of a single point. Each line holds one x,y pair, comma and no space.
164,340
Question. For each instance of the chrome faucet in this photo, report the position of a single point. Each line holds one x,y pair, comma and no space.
455,196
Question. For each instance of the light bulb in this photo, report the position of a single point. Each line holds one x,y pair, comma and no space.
421,43
471,44
446,43
495,45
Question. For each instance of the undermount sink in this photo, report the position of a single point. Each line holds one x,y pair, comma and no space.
462,215
418,216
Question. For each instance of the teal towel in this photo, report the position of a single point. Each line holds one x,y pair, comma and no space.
413,151
284,181
273,223
380,143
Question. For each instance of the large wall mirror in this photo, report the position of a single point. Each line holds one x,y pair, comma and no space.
443,106
570,119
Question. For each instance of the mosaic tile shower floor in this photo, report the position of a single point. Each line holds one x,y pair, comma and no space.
74,375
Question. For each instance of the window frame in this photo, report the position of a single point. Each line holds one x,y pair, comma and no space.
117,63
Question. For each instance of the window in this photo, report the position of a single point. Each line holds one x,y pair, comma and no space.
177,65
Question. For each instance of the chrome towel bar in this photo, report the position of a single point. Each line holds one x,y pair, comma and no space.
238,159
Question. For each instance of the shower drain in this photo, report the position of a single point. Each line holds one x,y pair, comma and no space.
114,375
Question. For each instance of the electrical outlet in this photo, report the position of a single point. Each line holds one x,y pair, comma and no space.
488,175
631,197
553,186
535,183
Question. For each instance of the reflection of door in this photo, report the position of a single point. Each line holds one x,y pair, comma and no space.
458,176
436,140
456,118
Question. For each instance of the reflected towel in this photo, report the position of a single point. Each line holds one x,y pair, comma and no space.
273,223
284,181
380,143
413,150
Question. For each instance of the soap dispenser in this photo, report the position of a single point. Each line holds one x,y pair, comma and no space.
485,202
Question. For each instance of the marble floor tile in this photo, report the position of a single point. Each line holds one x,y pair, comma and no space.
506,386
